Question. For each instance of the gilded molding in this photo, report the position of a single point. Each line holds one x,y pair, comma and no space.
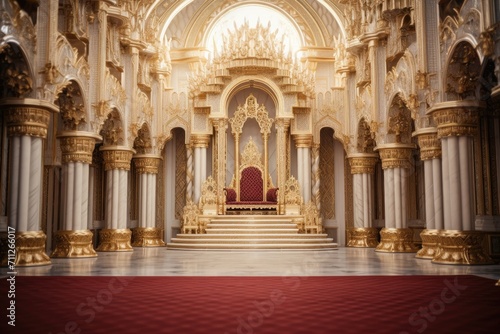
430,243
74,244
362,237
303,140
461,247
27,121
147,237
115,240
200,140
116,157
395,155
363,164
77,146
30,249
429,144
147,164
396,240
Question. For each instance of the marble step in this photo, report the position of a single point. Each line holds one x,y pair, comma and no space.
252,230
251,226
253,236
250,241
250,221
240,246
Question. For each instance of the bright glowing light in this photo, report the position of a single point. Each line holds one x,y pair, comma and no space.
253,14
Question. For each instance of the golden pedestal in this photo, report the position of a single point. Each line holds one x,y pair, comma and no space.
115,240
396,240
71,244
366,237
461,247
147,237
430,241
30,249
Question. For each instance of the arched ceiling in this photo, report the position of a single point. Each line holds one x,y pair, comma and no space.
187,22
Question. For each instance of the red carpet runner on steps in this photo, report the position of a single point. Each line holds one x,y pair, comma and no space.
361,304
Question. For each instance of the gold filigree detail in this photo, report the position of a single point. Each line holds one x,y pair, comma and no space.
14,72
70,244
112,130
27,121
251,109
461,247
395,156
430,244
456,121
363,164
396,240
146,164
116,158
292,192
77,148
430,146
312,222
147,237
30,249
190,218
208,192
115,240
251,156
71,106
363,237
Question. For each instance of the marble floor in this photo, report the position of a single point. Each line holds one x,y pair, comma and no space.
340,262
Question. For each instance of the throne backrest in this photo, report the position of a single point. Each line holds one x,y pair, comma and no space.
251,184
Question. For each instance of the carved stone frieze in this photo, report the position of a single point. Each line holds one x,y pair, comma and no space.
116,157
77,146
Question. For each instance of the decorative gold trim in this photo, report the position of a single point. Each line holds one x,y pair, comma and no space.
363,163
116,157
430,241
77,146
30,249
395,155
115,240
27,121
147,164
200,140
460,118
303,140
461,247
70,244
366,237
147,237
429,144
396,240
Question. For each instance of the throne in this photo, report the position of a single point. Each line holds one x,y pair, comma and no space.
249,189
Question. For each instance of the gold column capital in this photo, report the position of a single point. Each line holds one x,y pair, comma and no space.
395,155
147,163
363,163
78,146
429,143
117,157
200,140
303,140
27,117
456,118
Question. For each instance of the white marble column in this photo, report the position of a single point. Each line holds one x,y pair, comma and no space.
75,239
430,154
116,236
147,234
459,243
200,145
362,168
396,237
27,123
303,144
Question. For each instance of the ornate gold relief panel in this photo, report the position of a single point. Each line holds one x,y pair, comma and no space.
180,173
326,170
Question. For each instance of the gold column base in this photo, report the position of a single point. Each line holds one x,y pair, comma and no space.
396,240
147,237
366,237
30,249
430,241
461,247
70,244
115,240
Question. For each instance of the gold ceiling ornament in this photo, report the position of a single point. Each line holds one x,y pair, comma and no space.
116,157
77,146
456,118
395,155
363,163
147,163
25,120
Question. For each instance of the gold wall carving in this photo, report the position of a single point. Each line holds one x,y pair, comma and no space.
116,157
71,107
27,121
146,164
327,175
180,173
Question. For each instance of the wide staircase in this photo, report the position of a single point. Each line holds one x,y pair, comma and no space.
240,232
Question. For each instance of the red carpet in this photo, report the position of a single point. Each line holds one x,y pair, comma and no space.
361,304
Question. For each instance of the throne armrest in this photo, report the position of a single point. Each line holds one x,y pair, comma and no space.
272,195
230,194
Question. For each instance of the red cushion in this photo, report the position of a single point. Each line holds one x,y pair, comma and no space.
251,185
230,195
272,195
